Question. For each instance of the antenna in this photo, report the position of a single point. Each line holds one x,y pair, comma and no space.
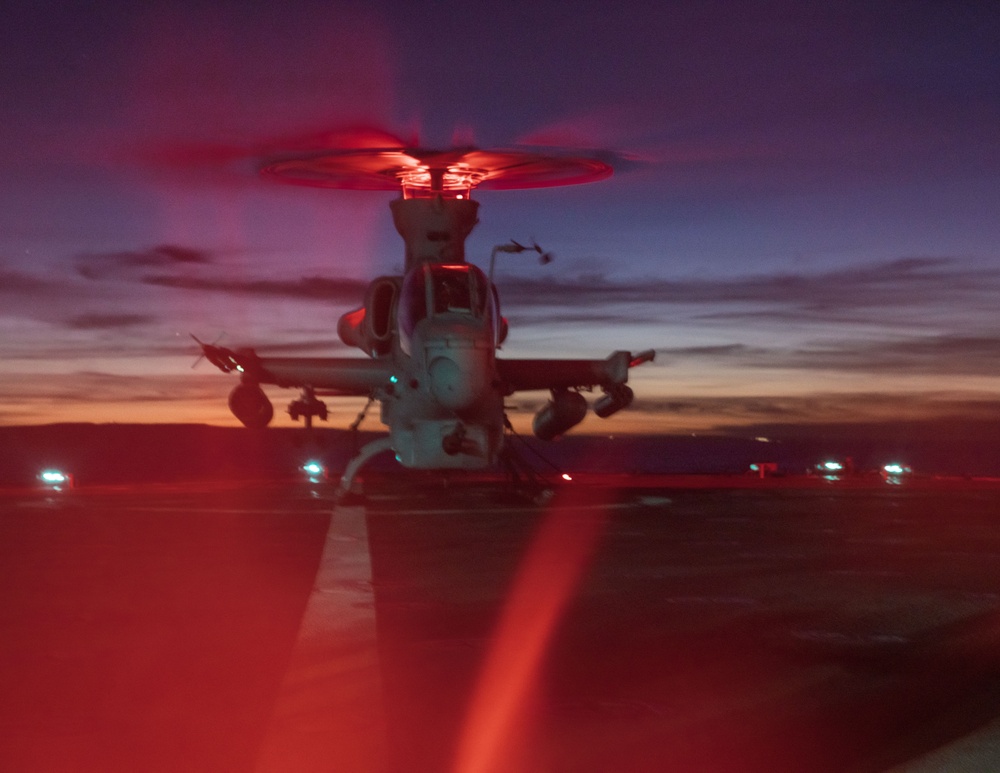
514,247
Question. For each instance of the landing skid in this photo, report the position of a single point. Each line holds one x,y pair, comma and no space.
525,479
346,492
525,482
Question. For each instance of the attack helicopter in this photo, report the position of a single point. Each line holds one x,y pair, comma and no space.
432,334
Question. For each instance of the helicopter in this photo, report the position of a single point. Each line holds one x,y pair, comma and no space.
431,334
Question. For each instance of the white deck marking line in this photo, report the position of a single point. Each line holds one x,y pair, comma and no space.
329,713
285,509
979,750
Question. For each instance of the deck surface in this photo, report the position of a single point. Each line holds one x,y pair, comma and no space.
646,628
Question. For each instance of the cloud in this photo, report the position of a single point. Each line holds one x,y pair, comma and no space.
165,260
543,315
105,349
940,354
108,321
86,387
946,354
313,288
46,298
102,265
792,315
135,347
304,346
16,283
779,415
720,351
728,412
847,294
168,260
312,347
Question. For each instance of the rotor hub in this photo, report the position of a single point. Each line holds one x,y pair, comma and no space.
455,181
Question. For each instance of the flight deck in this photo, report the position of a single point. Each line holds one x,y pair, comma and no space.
643,628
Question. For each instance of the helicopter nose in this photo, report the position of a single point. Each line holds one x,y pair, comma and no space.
453,386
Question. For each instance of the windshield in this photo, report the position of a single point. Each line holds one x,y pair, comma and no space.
455,289
433,289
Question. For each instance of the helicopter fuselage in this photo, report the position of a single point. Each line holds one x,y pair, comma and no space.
443,403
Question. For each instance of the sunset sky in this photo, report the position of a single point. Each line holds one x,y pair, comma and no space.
803,221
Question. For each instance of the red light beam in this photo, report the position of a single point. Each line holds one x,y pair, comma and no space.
551,570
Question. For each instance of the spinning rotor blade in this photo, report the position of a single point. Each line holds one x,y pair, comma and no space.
459,168
369,158
192,155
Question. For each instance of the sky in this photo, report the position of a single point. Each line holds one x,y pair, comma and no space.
802,220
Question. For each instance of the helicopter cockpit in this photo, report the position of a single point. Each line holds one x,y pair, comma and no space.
457,291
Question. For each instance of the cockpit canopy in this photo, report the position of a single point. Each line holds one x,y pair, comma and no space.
435,289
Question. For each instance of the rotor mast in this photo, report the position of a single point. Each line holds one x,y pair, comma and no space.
436,212
434,230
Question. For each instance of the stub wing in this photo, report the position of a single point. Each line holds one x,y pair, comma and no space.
334,375
526,375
